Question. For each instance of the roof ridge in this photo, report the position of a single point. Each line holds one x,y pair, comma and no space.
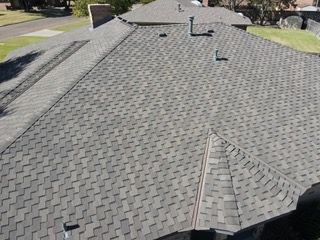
55,101
197,204
297,184
231,177
197,222
273,182
126,22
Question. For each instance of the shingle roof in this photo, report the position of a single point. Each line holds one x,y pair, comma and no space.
158,138
239,190
25,65
166,11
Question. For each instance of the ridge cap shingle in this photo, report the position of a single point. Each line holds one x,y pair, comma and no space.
219,205
215,161
260,161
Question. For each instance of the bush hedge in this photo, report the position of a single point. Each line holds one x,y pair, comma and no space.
118,6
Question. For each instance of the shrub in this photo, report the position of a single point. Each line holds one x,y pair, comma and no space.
118,6
146,1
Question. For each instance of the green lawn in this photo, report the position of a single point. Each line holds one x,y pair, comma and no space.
71,26
10,17
9,44
298,39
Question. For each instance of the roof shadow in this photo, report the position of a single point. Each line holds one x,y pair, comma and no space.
52,12
222,59
13,67
303,223
4,111
55,12
206,34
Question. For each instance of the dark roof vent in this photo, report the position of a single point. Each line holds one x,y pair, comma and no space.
190,31
179,7
68,228
216,55
163,35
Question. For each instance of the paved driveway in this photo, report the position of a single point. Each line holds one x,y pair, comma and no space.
35,25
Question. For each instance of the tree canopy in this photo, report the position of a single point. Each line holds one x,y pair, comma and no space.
118,6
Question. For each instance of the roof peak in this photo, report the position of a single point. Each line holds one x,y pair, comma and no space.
228,174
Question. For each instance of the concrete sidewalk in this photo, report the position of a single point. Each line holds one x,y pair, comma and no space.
35,25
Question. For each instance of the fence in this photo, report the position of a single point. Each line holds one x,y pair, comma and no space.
314,27
274,16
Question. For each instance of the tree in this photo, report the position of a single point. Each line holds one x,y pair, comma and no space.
26,5
266,7
232,4
118,6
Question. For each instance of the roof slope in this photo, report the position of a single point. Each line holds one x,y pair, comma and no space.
166,11
48,69
239,190
126,154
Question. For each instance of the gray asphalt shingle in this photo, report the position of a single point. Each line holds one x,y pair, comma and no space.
166,11
239,190
18,116
122,153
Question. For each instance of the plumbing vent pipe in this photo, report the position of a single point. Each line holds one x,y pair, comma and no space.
67,229
216,55
191,18
179,7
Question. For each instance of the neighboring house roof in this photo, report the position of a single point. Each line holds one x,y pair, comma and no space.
303,3
166,11
154,137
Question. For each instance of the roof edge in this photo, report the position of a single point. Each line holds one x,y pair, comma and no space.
297,184
294,194
55,101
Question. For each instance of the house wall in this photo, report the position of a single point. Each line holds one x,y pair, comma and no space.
301,3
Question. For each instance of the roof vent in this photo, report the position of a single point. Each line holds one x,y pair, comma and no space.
190,31
216,55
163,35
179,7
68,228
